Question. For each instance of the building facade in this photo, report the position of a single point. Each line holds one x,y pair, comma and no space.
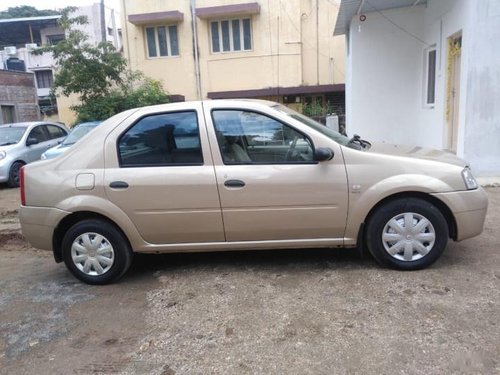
425,72
18,97
20,36
278,50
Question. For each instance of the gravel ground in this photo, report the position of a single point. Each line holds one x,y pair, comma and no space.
273,312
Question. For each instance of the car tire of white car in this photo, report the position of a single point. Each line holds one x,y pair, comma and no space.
96,252
407,234
14,174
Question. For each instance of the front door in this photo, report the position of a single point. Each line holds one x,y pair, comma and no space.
453,90
164,180
270,187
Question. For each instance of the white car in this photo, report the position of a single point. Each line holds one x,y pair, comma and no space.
24,142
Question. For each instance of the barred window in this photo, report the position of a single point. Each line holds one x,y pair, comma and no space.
162,41
44,79
231,35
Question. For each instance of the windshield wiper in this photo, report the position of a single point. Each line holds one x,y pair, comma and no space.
358,142
8,143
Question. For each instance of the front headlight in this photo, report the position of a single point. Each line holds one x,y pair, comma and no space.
3,154
470,181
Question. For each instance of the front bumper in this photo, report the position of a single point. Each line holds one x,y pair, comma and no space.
38,224
4,170
469,210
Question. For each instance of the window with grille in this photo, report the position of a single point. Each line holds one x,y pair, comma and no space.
162,41
231,35
44,79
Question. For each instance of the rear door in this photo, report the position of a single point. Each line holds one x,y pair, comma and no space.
159,171
270,187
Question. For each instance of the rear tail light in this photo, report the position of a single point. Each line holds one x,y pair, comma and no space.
21,183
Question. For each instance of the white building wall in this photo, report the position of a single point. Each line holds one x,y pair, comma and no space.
384,77
482,117
442,19
93,28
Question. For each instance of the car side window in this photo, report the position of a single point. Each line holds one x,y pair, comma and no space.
38,133
162,139
55,132
247,137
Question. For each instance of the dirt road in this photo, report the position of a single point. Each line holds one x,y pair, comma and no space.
287,312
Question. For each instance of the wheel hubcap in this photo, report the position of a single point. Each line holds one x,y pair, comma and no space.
408,236
92,254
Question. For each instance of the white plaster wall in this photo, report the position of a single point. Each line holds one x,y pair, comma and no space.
93,28
386,78
442,19
482,117
384,73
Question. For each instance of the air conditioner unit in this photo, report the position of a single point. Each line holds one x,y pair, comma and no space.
31,46
10,50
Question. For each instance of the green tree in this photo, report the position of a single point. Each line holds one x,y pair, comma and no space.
98,75
26,11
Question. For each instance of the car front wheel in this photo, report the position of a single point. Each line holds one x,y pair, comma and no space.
96,252
407,234
14,174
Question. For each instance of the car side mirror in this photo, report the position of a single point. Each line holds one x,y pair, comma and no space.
323,154
31,141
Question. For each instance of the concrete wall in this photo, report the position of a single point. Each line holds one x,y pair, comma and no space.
93,28
482,117
384,85
280,56
18,89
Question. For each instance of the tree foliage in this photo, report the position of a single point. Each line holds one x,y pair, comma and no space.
26,11
98,75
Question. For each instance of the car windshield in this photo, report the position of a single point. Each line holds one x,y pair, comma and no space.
11,135
332,134
77,133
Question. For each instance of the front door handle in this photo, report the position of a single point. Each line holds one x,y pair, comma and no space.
234,183
118,185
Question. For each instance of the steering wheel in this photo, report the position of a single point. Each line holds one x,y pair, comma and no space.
291,150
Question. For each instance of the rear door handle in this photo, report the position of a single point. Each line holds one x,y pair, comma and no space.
234,183
118,185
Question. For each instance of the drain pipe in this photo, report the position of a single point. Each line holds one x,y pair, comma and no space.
195,49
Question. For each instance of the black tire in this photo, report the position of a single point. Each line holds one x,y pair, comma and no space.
14,174
122,253
379,223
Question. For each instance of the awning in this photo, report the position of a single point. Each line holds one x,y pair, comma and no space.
277,91
233,10
349,8
148,18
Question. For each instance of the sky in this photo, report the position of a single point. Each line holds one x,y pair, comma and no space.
55,4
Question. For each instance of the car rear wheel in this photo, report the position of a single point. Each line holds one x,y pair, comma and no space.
96,252
407,234
14,174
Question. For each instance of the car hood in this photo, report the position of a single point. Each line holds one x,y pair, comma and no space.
417,152
55,151
9,147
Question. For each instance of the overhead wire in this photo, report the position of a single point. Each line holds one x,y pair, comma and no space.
310,45
398,26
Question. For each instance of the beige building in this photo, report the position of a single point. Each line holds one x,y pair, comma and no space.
281,50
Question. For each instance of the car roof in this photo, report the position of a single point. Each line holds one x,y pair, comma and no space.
30,124
89,124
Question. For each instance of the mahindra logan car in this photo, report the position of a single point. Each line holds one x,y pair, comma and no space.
241,174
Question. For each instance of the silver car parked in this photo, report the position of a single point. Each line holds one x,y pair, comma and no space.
24,142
